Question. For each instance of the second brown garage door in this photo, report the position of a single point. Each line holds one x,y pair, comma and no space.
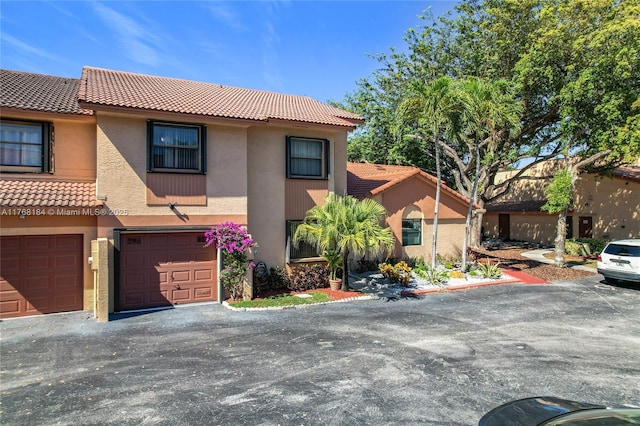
165,269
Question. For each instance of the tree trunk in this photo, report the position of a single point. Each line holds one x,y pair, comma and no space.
467,224
561,234
345,271
436,209
476,229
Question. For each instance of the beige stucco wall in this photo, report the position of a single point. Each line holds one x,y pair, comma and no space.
74,146
538,228
613,203
415,198
266,172
450,239
122,170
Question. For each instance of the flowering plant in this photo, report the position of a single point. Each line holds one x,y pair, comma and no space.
234,242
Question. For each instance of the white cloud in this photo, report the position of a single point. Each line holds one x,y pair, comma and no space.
226,16
139,44
23,47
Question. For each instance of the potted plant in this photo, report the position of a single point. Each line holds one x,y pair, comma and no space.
333,259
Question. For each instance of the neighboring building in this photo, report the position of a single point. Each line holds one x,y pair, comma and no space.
150,164
605,207
48,166
408,194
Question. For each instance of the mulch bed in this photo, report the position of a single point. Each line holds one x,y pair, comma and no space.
507,257
512,258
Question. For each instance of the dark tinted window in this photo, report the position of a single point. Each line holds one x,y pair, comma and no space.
622,250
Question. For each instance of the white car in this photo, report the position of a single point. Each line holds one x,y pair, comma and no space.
620,260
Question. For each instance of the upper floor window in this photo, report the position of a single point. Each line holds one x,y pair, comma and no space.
411,232
307,158
25,146
176,147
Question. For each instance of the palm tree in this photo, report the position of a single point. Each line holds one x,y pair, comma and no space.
490,111
433,111
347,225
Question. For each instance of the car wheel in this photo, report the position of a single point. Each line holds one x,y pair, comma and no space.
610,280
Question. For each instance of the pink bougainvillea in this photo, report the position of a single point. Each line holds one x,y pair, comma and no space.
229,237
234,242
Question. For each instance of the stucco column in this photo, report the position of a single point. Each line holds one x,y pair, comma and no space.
100,268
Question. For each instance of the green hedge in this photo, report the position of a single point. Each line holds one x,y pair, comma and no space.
575,246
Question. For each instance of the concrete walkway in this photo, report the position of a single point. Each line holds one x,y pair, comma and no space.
538,256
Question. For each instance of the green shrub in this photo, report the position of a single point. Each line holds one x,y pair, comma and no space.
279,278
437,275
456,274
572,248
400,272
309,277
489,270
595,244
451,260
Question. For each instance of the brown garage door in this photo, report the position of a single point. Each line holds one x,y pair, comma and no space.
165,269
40,274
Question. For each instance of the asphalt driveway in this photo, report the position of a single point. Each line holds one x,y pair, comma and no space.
443,359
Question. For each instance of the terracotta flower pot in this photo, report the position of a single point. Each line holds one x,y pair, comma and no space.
335,284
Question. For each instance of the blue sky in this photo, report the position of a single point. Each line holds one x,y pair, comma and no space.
313,48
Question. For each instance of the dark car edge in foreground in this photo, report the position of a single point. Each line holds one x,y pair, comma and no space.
550,411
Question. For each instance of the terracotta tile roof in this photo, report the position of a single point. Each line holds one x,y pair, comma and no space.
37,92
45,193
515,206
628,172
365,180
102,87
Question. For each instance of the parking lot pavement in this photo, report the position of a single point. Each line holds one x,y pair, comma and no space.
441,359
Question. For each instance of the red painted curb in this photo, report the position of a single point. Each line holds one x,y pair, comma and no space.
518,277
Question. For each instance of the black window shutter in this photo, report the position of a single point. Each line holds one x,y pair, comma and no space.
288,154
49,137
149,145
203,148
327,156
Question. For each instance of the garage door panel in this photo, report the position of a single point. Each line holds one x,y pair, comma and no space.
66,300
10,244
182,262
36,305
34,263
156,241
182,240
203,275
38,243
9,264
10,305
131,278
34,285
204,256
66,282
134,299
159,298
6,287
203,293
181,296
181,276
40,274
65,241
65,261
